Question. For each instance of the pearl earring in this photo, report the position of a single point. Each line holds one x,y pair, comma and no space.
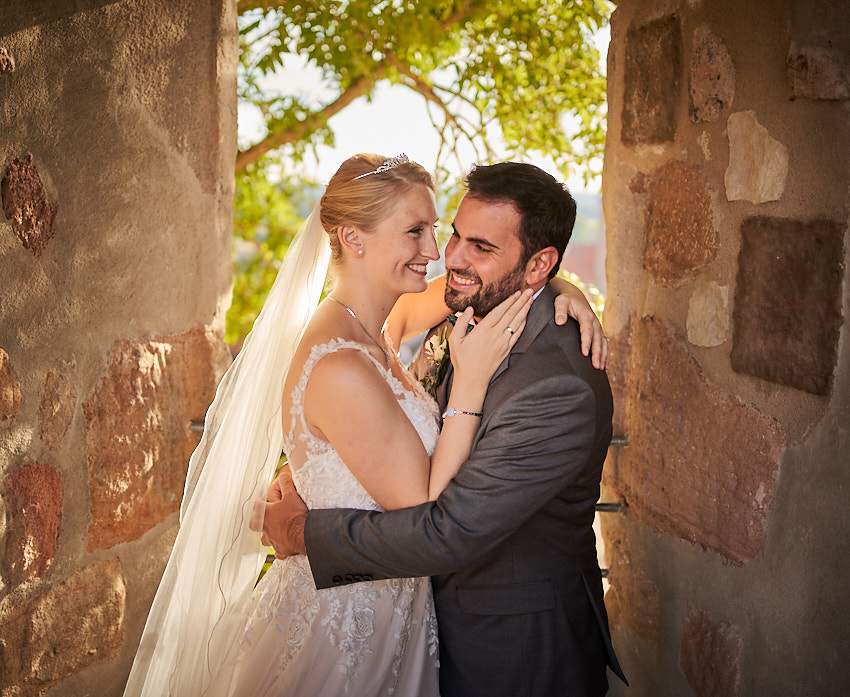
360,252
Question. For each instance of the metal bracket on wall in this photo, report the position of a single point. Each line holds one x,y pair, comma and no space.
613,506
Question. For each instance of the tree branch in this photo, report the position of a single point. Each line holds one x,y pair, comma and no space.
356,89
423,88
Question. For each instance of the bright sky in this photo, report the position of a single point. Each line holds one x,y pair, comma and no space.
395,121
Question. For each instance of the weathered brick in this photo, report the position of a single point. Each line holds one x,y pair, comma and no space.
138,440
701,464
27,206
680,237
652,75
73,625
10,389
712,78
711,655
56,403
33,496
787,312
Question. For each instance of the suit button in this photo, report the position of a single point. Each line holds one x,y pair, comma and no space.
337,580
367,577
349,578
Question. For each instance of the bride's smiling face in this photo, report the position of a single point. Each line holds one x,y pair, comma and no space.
401,245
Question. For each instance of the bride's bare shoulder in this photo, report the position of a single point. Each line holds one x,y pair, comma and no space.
320,332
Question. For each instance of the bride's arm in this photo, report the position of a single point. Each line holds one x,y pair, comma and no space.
349,404
475,357
415,313
570,301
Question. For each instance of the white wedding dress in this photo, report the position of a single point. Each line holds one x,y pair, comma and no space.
364,639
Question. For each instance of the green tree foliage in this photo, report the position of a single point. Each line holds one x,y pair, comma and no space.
508,77
267,213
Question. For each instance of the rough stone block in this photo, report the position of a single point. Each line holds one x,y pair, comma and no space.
10,389
787,312
708,315
138,440
56,403
618,375
711,656
631,597
701,464
7,63
33,496
818,73
635,600
679,236
73,625
27,206
711,79
758,164
651,76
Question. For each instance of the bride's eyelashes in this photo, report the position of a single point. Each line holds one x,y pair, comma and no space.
419,228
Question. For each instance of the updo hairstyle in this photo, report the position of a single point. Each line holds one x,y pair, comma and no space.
365,202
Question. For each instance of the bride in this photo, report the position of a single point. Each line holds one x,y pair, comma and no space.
323,384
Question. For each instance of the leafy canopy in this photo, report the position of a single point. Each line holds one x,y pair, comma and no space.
506,77
509,77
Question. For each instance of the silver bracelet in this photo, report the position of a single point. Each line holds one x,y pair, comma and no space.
451,411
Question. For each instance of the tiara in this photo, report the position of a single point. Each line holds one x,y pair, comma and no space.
392,163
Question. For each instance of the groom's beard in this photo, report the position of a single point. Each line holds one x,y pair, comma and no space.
487,296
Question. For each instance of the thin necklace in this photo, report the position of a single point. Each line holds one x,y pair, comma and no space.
365,331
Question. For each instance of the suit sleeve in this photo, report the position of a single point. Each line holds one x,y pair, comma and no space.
536,443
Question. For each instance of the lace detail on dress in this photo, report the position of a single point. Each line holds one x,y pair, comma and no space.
370,638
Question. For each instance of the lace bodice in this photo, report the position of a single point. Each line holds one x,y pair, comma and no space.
322,479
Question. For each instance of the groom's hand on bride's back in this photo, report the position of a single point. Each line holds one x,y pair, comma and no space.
285,516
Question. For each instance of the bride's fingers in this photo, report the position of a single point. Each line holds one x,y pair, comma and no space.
459,329
501,315
464,319
514,316
497,313
516,328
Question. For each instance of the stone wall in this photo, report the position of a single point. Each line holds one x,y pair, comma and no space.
726,191
117,146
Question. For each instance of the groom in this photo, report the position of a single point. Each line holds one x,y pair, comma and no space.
509,543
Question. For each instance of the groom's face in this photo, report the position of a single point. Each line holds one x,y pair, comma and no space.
483,256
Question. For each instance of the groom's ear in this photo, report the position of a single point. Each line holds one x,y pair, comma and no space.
538,267
350,239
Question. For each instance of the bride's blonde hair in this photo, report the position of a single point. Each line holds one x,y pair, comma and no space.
365,201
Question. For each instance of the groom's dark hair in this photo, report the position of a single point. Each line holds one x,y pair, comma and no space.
547,210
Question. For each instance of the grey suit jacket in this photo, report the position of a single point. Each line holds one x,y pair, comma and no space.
509,543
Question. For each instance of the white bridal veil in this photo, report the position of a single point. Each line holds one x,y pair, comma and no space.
198,614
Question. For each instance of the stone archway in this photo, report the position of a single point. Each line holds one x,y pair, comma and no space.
727,150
